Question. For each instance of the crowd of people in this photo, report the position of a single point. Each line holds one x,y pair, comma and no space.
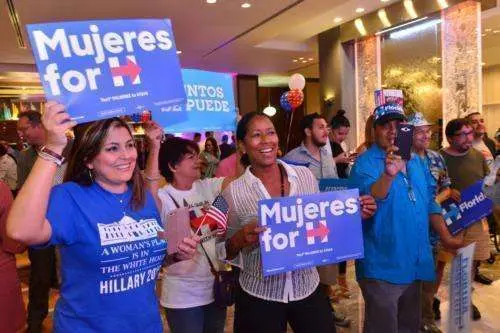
94,224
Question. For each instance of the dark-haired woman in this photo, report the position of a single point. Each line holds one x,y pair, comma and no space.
104,223
267,304
187,287
339,130
211,157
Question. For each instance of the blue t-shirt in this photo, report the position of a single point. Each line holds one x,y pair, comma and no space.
110,258
396,238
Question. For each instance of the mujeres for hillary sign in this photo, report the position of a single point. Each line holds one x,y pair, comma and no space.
310,230
101,69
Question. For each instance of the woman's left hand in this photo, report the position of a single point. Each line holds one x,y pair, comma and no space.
368,206
187,248
154,134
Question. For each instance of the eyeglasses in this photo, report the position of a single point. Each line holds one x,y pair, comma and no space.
464,134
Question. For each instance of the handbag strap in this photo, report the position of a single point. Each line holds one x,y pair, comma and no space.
174,201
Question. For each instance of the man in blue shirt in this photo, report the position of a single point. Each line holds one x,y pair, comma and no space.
396,239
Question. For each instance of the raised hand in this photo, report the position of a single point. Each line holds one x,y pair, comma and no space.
56,122
154,134
393,163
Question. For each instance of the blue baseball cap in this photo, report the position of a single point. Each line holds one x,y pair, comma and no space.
387,112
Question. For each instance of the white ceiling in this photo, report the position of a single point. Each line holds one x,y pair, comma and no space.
271,35
278,35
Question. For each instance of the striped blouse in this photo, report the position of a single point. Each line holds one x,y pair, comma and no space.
242,196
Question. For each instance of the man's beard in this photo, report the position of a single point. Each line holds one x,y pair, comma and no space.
317,143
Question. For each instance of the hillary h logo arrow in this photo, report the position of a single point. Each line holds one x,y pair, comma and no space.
321,231
130,69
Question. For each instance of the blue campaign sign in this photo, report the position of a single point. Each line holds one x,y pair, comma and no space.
473,207
102,69
310,230
210,104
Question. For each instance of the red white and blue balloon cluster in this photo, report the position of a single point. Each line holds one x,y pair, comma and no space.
292,99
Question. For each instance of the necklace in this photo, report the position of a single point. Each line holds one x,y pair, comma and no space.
122,198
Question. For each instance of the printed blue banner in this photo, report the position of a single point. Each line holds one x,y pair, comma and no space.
333,184
460,290
210,104
473,207
310,230
102,69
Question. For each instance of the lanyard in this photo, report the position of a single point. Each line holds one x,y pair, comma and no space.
411,193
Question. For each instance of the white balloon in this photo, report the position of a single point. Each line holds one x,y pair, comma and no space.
297,81
270,110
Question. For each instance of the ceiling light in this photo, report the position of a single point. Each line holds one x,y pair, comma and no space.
360,26
414,29
211,1
496,31
360,10
301,58
179,52
245,5
310,59
269,110
384,0
382,15
442,4
410,9
294,60
337,19
483,64
484,35
487,30
401,25
304,61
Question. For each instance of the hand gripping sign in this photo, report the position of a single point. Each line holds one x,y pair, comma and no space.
310,230
102,69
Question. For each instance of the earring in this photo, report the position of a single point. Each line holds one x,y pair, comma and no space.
91,176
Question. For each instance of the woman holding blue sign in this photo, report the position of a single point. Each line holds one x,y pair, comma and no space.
104,222
187,288
267,304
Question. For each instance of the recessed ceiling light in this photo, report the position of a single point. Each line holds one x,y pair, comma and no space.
337,19
211,1
496,31
360,10
487,30
301,58
294,60
304,61
384,0
310,59
179,52
245,5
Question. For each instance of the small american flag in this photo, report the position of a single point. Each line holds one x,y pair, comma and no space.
218,213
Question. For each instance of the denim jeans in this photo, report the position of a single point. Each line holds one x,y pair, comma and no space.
208,318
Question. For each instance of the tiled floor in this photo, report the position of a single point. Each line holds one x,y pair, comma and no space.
487,299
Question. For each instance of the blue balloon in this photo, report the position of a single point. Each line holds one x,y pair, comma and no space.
284,102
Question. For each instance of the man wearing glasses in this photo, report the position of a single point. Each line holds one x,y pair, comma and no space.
466,166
